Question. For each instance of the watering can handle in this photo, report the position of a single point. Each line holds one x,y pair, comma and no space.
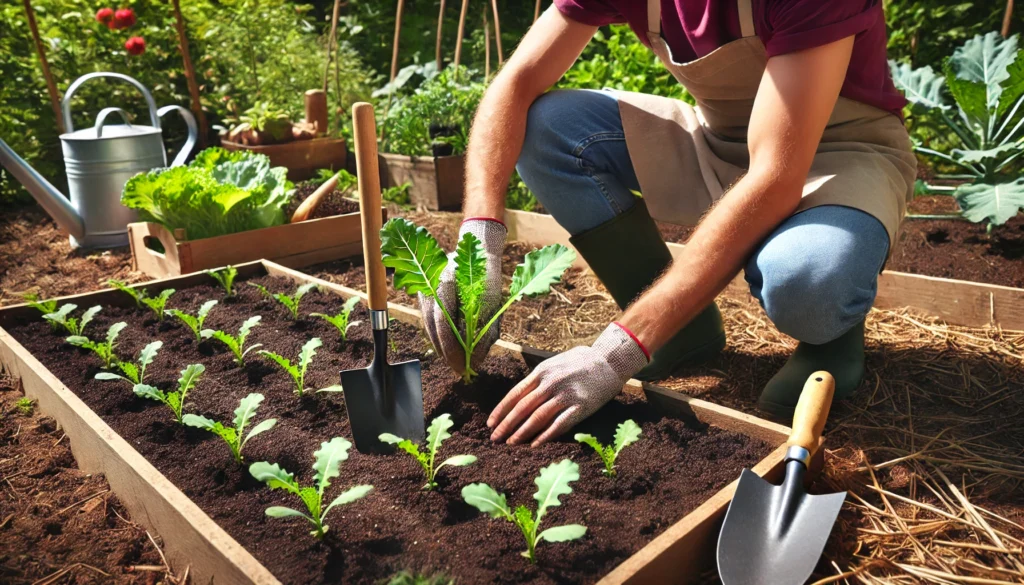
101,119
193,132
66,103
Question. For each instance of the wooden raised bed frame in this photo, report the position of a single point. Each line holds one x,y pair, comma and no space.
291,244
436,181
302,158
193,539
959,302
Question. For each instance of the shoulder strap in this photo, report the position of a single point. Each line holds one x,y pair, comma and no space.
654,16
746,14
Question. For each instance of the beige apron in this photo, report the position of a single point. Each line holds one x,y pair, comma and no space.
685,158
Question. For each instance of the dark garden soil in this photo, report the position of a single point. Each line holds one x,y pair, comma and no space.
676,466
334,203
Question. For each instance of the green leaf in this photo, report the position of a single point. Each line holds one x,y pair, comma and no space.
998,153
437,433
80,341
114,331
349,305
148,353
204,310
247,325
263,290
523,518
553,482
414,254
458,461
470,272
313,499
348,496
981,61
303,290
88,316
626,434
541,269
199,422
922,86
262,427
189,377
275,477
328,461
483,497
284,512
1013,85
307,352
131,372
151,392
109,376
996,204
563,533
333,388
246,410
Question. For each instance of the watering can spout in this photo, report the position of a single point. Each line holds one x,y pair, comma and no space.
52,200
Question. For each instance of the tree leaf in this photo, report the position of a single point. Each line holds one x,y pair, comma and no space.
922,86
626,434
246,410
541,269
563,533
328,461
483,497
414,254
993,203
553,482
275,477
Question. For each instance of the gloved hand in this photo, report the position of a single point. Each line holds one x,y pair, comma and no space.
569,387
491,234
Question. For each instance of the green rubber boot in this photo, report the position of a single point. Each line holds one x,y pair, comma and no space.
627,254
842,357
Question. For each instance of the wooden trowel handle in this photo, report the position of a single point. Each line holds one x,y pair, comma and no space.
812,411
308,207
365,131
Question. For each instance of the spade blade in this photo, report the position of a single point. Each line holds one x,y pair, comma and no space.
386,399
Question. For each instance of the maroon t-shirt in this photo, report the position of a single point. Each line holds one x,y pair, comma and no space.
695,28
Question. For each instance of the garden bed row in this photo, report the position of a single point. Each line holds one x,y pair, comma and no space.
655,523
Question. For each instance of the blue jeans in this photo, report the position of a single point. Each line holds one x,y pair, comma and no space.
816,275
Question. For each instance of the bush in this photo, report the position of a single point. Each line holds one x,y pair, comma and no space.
440,101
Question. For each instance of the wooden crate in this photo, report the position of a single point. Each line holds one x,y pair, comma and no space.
302,158
193,539
291,244
436,182
959,302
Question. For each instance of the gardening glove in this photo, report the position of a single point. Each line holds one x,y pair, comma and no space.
568,388
491,234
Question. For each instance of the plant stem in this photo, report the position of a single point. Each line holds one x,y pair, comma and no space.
954,217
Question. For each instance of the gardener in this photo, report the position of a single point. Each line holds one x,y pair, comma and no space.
795,166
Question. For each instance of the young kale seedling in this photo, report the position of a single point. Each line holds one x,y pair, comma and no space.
103,349
296,371
194,322
157,303
236,344
290,302
552,482
175,399
327,463
341,319
226,278
73,325
44,307
137,294
626,434
134,374
418,261
25,405
411,578
437,432
233,435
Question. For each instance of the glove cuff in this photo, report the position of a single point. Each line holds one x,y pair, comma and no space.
490,232
622,350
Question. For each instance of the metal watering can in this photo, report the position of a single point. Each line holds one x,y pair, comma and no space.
99,161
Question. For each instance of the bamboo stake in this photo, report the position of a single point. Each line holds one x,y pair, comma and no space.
51,85
487,48
536,11
1007,18
331,42
190,72
458,39
497,32
437,49
394,44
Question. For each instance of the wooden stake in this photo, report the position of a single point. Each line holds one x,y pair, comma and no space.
487,48
190,72
331,41
394,45
536,11
1007,18
51,85
497,32
440,22
458,39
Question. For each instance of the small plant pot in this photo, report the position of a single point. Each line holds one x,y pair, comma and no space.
436,182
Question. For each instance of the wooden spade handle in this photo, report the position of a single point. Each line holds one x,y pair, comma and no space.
812,411
365,131
309,205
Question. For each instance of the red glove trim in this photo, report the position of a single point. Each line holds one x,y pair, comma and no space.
485,219
647,354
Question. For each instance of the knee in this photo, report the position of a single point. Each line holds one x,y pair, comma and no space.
547,125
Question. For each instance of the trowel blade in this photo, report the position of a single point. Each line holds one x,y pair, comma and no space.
371,412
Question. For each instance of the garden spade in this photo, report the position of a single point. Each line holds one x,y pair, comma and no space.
383,398
774,535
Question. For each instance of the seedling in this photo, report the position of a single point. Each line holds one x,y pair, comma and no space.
437,432
296,371
44,307
157,303
327,463
72,325
236,343
341,319
137,294
290,302
626,434
134,374
25,405
103,349
552,482
233,435
411,578
194,322
226,278
175,400
418,261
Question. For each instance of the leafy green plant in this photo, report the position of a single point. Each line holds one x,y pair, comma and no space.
341,320
296,371
236,343
194,322
437,432
72,325
233,435
290,302
442,100
25,405
157,303
399,195
175,399
137,294
327,467
45,307
411,578
626,434
226,277
103,349
985,78
418,261
261,124
134,372
552,483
